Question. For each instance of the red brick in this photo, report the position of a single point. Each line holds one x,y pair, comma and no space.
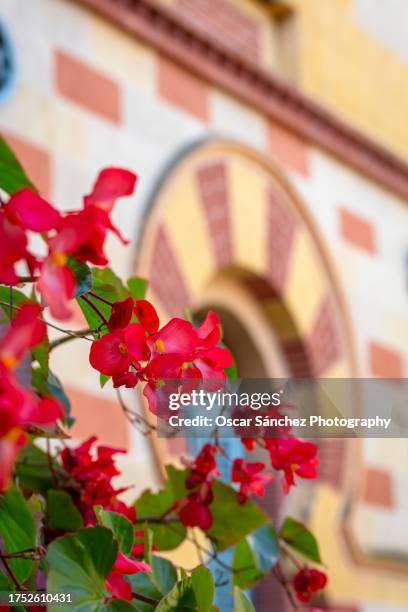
227,24
288,149
323,343
385,362
378,489
297,357
35,160
165,276
213,187
281,227
331,454
358,231
182,89
96,415
87,87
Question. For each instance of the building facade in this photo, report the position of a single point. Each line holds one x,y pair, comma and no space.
269,139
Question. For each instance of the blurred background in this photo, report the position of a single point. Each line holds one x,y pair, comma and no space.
269,138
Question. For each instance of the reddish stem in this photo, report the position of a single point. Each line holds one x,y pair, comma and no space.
101,299
95,309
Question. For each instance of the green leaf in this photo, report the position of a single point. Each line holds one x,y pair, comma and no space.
79,564
142,583
137,287
107,285
181,597
232,372
298,537
164,575
118,605
17,528
56,389
82,274
62,513
12,175
246,574
241,602
103,379
166,535
265,547
232,521
40,353
120,526
7,586
254,556
33,470
18,298
203,587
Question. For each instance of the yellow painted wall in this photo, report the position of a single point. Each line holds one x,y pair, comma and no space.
342,66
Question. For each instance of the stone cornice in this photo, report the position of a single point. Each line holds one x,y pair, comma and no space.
191,47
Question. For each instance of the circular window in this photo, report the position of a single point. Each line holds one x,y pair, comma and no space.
7,64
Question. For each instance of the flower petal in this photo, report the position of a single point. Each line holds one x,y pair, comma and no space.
112,183
30,211
106,355
57,286
147,315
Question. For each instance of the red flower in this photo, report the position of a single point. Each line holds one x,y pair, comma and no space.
194,509
93,468
19,407
82,235
116,351
121,314
30,211
26,330
147,315
178,337
13,249
116,583
209,359
251,481
204,467
293,456
10,446
307,582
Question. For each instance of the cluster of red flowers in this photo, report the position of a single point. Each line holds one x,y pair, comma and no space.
133,352
20,407
250,479
308,581
290,455
194,510
92,470
79,234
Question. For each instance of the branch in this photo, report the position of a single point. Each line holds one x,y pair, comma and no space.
10,572
83,333
95,309
145,598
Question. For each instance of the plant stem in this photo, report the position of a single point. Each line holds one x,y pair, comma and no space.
79,334
28,279
98,297
11,573
64,331
145,598
94,308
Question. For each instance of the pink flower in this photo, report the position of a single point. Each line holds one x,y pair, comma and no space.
250,479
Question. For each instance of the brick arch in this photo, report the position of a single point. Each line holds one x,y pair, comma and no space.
223,208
